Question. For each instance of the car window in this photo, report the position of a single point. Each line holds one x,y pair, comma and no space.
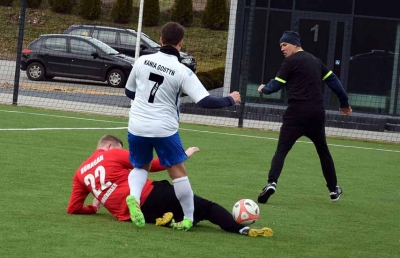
127,39
56,44
147,39
107,36
81,47
103,46
80,32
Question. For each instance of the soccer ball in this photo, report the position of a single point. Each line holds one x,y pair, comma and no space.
245,212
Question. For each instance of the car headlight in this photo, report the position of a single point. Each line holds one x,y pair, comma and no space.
186,61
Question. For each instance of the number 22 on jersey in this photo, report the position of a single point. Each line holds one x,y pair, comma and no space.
90,179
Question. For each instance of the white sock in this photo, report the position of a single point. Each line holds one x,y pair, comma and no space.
136,180
241,231
184,193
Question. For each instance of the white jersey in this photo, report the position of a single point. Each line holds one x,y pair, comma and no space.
158,81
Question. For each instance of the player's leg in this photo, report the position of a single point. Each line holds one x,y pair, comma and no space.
161,204
316,133
288,136
184,193
218,215
172,155
140,154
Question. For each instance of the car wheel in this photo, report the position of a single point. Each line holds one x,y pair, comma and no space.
116,78
35,71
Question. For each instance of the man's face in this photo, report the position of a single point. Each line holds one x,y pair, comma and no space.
288,49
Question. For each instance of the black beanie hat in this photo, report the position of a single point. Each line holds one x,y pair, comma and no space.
291,37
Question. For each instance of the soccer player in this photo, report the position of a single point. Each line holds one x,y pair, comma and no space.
105,175
303,75
155,84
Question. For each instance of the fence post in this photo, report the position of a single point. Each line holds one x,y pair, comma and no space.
245,62
19,50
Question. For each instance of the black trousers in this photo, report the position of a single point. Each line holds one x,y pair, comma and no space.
163,199
301,121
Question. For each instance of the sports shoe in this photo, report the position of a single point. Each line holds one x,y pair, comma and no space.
184,225
137,216
336,194
267,192
165,220
264,232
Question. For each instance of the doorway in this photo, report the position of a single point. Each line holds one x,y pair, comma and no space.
328,37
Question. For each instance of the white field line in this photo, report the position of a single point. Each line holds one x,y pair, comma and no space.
275,139
53,129
184,129
69,117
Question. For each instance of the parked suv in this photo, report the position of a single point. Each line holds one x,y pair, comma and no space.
75,57
124,41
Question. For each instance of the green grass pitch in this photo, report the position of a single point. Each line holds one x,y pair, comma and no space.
37,168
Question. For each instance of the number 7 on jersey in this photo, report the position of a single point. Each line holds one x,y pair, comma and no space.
158,79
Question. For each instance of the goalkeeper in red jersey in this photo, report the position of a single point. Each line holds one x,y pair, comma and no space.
105,175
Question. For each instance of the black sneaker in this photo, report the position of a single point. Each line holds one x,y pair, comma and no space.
267,192
336,194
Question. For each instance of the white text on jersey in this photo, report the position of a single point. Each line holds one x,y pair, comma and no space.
159,67
92,164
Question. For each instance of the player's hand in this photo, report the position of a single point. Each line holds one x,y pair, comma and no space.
191,150
346,111
236,97
96,203
260,88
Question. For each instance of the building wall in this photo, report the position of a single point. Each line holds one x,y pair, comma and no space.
358,40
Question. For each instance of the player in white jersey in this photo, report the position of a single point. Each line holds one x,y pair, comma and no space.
155,85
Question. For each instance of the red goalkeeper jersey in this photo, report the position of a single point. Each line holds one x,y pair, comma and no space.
105,175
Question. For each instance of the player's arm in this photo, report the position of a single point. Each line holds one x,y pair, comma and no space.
130,94
130,87
274,85
156,166
336,86
279,81
77,200
192,86
220,102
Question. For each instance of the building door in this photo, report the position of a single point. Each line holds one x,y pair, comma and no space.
328,37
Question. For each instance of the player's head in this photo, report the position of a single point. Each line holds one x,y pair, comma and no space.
172,34
290,43
108,142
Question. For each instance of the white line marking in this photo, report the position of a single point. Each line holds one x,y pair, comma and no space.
53,129
69,117
185,129
275,139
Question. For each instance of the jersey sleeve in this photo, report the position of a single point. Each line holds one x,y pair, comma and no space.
192,86
156,166
131,82
284,71
77,200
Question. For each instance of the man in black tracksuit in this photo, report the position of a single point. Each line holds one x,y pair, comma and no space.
303,75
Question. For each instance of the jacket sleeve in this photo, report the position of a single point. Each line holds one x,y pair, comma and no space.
336,86
273,86
214,102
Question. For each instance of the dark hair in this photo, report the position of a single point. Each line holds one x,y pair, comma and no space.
172,33
114,140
